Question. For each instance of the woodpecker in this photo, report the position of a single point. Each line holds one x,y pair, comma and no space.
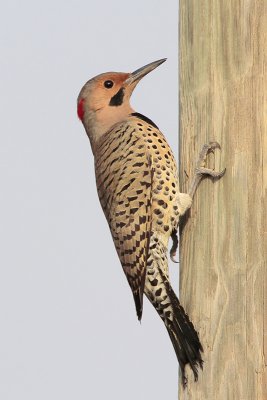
138,188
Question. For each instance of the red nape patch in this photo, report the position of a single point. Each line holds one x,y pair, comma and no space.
80,109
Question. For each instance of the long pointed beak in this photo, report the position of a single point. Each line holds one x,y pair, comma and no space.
141,72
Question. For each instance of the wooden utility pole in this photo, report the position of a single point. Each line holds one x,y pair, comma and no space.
223,285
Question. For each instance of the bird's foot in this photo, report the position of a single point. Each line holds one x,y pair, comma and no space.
201,171
200,168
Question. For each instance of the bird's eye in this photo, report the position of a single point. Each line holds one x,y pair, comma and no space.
108,84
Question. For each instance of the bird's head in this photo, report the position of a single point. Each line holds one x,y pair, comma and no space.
105,99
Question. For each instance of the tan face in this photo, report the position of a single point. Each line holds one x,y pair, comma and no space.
105,100
105,90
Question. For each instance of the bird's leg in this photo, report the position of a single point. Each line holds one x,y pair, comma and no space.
174,245
201,171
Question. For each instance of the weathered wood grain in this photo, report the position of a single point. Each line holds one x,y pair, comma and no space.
223,285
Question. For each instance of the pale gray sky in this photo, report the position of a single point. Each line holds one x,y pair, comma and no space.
68,323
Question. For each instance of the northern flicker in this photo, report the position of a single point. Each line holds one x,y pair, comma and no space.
138,188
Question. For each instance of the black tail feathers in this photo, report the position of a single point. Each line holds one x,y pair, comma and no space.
186,343
184,337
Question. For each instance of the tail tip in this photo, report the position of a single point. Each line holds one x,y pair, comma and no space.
194,367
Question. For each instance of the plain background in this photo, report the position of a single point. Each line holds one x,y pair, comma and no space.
68,328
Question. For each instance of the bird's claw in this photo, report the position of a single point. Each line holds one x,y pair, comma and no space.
210,172
201,169
173,259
